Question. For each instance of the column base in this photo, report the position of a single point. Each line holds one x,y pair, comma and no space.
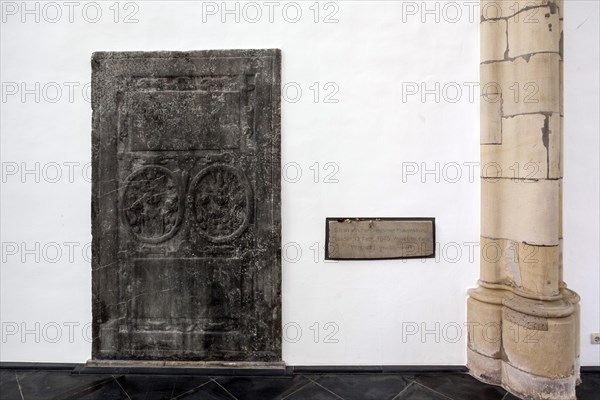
536,354
484,368
520,383
532,387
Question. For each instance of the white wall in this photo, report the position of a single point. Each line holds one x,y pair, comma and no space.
582,170
370,135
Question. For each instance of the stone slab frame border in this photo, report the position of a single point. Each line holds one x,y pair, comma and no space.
523,321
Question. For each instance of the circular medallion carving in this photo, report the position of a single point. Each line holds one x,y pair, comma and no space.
220,199
151,204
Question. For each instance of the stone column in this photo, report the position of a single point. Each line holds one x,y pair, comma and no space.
523,321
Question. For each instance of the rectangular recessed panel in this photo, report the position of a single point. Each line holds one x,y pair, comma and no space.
379,238
184,120
201,289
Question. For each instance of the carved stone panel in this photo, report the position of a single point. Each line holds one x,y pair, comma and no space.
186,205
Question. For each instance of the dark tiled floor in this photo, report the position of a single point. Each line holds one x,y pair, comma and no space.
64,385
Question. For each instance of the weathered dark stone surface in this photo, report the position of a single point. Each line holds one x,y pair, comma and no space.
186,205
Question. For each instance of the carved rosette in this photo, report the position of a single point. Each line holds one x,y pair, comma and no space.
220,201
151,204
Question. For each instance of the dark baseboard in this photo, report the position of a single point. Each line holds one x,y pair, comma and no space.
214,368
85,370
81,368
590,370
41,366
373,369
287,371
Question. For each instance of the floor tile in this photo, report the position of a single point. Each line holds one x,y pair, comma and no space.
589,388
160,387
250,388
460,386
9,389
209,391
417,392
312,391
78,391
364,386
42,385
111,390
7,375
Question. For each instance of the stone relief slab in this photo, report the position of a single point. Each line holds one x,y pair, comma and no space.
379,238
186,205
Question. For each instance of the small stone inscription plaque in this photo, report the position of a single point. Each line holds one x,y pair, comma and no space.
379,238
